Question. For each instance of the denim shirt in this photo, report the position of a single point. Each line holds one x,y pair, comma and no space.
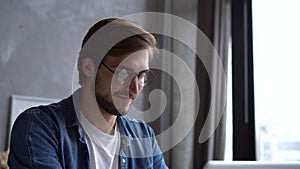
51,137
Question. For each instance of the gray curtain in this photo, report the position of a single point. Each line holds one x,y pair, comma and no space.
214,21
212,17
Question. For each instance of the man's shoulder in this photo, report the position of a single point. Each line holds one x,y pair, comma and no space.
130,119
44,113
51,108
136,126
127,120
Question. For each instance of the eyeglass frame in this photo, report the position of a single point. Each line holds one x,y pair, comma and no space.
133,73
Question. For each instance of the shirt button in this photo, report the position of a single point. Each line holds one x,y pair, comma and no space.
123,160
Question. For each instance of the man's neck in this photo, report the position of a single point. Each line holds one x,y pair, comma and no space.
97,116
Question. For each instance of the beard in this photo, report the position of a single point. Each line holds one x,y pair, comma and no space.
108,105
105,101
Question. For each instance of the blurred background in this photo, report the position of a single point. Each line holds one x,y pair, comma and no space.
256,42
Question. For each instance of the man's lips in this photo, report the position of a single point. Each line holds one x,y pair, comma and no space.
123,96
126,96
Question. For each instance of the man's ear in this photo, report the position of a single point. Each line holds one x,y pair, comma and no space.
88,68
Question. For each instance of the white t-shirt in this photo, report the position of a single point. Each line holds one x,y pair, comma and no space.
103,147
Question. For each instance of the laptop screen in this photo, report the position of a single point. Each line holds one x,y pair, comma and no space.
252,165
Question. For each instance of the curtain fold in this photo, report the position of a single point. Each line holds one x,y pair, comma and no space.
212,17
214,21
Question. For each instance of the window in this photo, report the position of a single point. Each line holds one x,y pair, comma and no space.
276,58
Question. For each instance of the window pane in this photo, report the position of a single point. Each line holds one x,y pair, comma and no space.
276,36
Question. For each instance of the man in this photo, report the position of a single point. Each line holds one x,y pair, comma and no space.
89,129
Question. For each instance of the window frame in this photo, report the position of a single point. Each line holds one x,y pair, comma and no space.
242,81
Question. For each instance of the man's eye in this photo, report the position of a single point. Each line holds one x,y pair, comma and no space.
142,75
122,75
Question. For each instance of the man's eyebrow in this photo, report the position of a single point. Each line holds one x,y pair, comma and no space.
124,67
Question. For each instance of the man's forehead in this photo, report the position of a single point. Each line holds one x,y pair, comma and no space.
138,57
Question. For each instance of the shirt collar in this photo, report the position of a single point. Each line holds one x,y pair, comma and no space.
73,106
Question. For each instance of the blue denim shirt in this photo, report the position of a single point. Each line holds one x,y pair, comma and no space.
51,137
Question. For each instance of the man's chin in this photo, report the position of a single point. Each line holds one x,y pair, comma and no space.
123,111
119,111
117,107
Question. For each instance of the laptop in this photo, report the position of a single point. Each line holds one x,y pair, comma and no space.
252,165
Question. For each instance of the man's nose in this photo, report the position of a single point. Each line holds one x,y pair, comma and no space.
134,86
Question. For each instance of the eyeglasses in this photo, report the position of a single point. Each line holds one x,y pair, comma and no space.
124,75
